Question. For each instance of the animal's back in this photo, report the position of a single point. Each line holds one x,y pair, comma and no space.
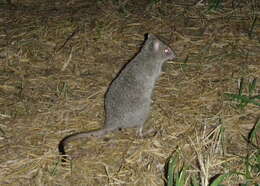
127,102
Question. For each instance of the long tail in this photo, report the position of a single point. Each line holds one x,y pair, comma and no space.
67,139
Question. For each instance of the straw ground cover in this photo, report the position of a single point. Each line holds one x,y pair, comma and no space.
57,59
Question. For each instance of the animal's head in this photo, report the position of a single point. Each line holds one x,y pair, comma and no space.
158,49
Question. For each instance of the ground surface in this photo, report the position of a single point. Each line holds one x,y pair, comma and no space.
57,59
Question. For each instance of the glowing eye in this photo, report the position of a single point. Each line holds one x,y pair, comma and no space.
166,50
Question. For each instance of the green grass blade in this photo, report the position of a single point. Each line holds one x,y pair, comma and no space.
222,138
220,179
182,178
256,97
243,99
253,137
214,4
252,28
241,86
252,87
170,173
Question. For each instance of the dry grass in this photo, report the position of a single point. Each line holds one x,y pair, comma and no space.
57,59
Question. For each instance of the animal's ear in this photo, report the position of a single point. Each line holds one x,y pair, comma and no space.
154,42
156,45
151,36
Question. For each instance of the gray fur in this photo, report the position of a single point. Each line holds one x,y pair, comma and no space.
128,99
